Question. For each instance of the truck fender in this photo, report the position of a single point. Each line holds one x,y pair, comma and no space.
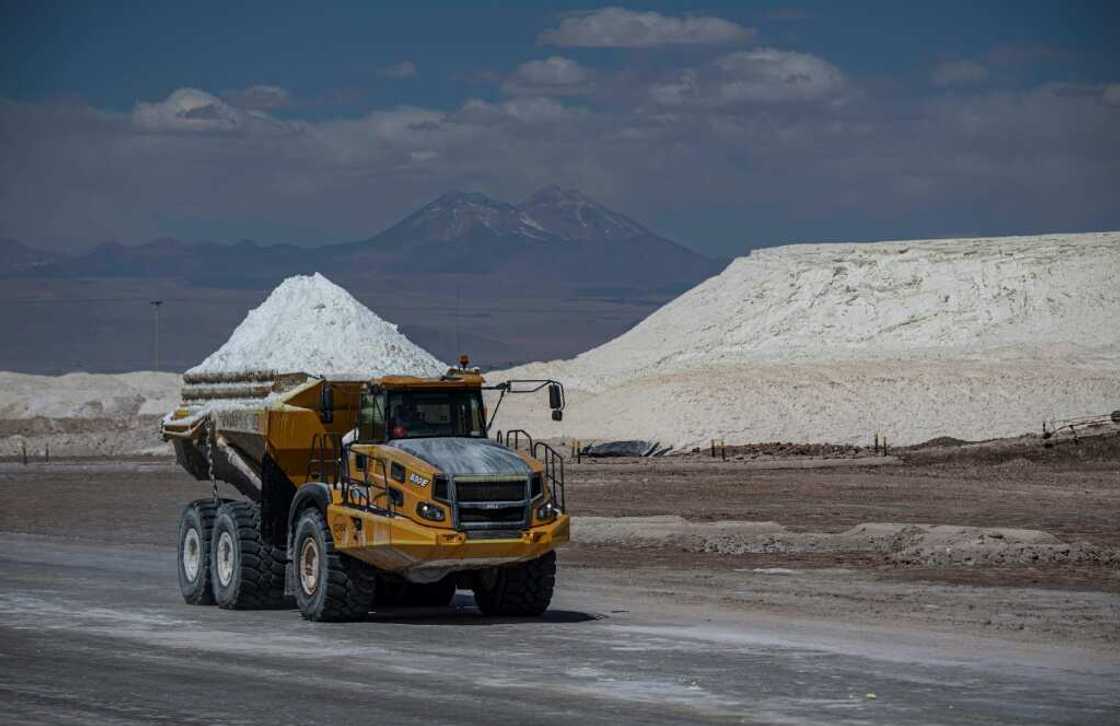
312,494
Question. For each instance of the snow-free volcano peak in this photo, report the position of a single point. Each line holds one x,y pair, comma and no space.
308,324
574,241
570,214
463,217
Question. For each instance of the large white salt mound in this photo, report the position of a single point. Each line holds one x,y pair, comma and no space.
1052,295
87,395
84,414
830,342
310,325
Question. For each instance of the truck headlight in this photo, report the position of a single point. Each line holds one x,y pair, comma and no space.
547,511
430,512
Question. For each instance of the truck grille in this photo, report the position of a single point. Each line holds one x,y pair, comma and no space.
490,491
505,515
482,503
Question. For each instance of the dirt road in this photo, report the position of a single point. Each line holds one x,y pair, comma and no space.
92,627
96,634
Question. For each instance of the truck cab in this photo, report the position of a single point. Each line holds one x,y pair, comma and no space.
421,465
450,473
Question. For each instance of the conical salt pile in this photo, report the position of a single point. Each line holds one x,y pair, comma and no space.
310,325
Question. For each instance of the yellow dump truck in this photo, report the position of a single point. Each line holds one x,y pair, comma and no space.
360,494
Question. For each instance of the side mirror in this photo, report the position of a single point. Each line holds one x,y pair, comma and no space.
326,403
557,415
555,398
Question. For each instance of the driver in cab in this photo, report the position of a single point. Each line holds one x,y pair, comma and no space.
405,417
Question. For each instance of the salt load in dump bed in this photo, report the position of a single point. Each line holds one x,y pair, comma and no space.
362,491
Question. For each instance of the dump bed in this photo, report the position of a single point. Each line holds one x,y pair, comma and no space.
235,428
249,427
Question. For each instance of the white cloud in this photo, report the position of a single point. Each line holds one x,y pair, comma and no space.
718,136
958,73
680,90
378,139
621,28
259,97
404,69
764,75
539,110
767,74
555,76
521,111
188,109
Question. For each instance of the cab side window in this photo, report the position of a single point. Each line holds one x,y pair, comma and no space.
371,418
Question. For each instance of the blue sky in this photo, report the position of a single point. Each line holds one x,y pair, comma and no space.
723,125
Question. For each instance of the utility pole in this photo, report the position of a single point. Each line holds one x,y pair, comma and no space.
458,314
155,306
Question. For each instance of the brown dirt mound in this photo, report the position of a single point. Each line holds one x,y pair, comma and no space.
897,543
1104,446
784,449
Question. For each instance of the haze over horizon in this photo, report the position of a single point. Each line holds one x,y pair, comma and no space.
723,128
483,199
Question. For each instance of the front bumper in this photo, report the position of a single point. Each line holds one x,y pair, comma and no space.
399,545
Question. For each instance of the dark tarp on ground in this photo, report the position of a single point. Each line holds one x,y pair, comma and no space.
622,448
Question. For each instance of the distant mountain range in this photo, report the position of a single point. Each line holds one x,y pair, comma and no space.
548,278
558,236
19,259
242,264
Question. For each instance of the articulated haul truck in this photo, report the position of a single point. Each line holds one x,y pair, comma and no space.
365,493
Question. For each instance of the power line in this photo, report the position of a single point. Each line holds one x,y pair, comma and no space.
156,306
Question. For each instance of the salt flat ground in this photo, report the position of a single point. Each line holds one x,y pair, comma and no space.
92,628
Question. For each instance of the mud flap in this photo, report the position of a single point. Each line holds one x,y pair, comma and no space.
290,579
277,492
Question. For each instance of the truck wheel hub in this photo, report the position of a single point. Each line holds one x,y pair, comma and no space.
192,554
309,566
225,558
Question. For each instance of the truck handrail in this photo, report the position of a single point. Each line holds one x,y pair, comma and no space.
387,510
553,470
516,435
321,444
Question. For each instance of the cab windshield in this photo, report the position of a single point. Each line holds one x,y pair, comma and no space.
421,414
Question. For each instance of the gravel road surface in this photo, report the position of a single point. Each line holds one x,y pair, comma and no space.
92,628
92,633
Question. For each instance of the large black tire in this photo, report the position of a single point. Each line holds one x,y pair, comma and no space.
195,526
246,573
330,586
520,590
